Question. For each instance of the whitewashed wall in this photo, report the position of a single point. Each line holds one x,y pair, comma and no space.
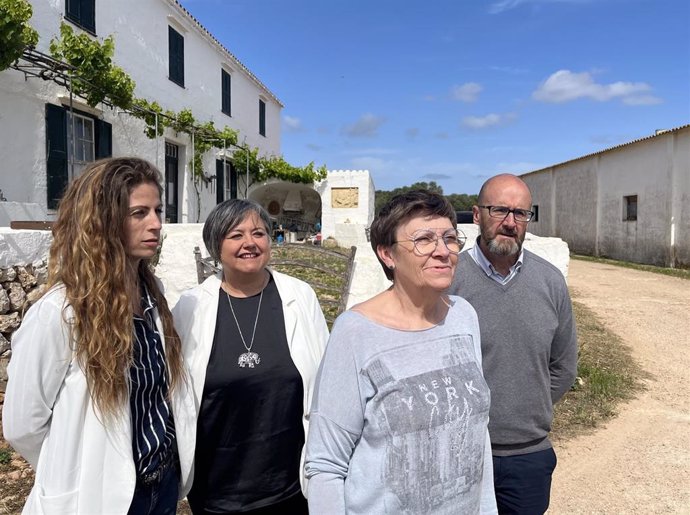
140,29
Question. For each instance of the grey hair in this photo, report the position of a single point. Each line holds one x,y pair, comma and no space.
225,217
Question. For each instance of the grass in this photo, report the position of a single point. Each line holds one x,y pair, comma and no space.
683,273
607,375
323,284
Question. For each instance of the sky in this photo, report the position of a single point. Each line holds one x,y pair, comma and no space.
456,91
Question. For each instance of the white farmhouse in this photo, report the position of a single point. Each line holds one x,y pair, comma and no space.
630,202
46,137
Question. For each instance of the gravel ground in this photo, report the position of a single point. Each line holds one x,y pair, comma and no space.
640,461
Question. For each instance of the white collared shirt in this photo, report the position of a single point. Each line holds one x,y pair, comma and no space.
477,254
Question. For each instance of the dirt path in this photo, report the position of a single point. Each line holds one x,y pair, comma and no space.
640,462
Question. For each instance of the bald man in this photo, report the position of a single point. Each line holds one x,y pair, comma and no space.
529,345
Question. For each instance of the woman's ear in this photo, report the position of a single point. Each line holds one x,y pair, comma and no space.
385,254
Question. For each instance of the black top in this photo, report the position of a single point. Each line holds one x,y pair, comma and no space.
249,433
153,427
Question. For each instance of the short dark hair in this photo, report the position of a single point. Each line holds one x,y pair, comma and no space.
402,208
225,217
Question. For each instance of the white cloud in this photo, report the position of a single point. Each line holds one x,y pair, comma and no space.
490,120
292,124
566,86
506,5
641,100
366,127
468,92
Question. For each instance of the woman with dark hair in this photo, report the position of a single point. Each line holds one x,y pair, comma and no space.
400,412
253,338
98,400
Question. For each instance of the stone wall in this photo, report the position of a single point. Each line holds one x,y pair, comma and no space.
20,286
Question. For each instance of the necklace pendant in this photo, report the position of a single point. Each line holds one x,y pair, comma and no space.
248,359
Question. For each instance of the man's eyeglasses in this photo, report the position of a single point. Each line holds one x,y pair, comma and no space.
502,212
425,241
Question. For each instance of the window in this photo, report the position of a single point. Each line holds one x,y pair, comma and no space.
82,13
73,139
630,208
262,117
80,143
535,210
226,180
225,92
175,57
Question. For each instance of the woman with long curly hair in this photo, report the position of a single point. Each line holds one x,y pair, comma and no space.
98,398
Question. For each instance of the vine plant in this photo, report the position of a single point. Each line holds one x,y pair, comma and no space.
15,32
105,81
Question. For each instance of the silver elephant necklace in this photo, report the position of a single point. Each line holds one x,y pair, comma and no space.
249,358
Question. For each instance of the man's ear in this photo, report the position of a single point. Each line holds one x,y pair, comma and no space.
475,214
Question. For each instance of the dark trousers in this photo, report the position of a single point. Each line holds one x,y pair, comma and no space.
159,497
523,482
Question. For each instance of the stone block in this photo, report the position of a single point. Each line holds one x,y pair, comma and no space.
4,301
9,322
26,277
17,296
7,274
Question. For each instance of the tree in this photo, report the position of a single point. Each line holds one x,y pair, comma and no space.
461,201
382,197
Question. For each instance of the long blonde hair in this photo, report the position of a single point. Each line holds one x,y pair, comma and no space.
88,256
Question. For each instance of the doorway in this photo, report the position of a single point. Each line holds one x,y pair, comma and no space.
171,182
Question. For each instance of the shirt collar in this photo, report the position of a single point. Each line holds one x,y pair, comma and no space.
477,254
148,303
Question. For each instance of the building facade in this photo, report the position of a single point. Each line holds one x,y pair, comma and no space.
48,137
630,202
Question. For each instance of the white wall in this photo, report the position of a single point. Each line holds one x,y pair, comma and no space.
140,29
346,224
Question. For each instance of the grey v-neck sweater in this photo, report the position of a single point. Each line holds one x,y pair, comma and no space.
529,348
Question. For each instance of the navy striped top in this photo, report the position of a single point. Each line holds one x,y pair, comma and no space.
153,427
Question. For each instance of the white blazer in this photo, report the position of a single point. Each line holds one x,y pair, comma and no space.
82,466
305,327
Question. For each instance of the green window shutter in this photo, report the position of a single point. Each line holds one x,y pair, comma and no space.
220,181
56,153
82,13
226,84
104,139
262,117
88,15
175,56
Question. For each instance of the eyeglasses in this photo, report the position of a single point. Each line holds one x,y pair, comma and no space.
425,241
502,212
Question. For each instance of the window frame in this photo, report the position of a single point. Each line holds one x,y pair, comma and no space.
77,145
630,205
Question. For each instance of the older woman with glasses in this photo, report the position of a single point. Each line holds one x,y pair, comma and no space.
400,411
253,339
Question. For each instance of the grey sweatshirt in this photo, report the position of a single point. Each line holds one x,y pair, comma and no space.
399,420
529,348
